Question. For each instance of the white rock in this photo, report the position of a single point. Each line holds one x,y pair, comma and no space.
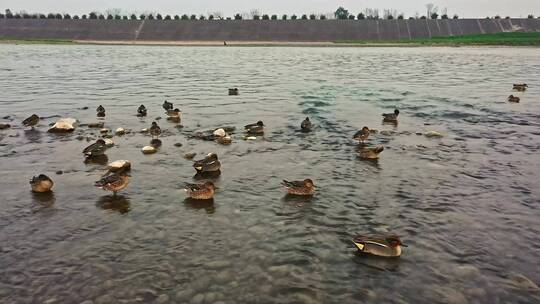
109,142
120,131
433,134
149,150
119,164
64,125
220,132
251,137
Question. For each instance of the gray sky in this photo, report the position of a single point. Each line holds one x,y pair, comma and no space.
464,8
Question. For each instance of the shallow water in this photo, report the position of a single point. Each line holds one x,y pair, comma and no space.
466,204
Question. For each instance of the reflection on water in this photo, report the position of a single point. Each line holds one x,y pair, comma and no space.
466,203
212,176
45,199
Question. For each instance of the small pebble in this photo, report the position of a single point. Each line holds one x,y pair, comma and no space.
433,134
178,145
149,150
59,172
109,142
189,155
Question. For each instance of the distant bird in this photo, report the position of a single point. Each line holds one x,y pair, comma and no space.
100,111
114,182
370,153
141,111
95,149
41,183
361,135
174,113
225,43
31,121
391,117
520,87
305,187
385,246
155,130
306,125
255,128
200,191
513,98
209,163
234,91
167,105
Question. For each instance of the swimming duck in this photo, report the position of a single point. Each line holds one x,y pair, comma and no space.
255,128
200,191
141,111
513,98
174,113
233,91
100,111
155,130
391,117
361,135
305,187
209,163
385,246
41,183
114,182
95,149
167,105
370,153
31,121
306,125
520,87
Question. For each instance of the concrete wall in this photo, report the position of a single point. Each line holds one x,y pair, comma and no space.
256,30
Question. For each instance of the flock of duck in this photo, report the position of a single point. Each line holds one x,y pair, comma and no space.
117,179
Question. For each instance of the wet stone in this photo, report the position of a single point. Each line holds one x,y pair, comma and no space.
189,155
104,299
149,150
198,298
162,299
4,126
98,125
59,172
178,145
184,294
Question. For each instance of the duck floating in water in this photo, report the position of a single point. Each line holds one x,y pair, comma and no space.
114,182
513,98
200,191
167,105
234,91
384,246
95,149
370,153
100,111
41,183
361,135
306,125
174,114
520,87
391,117
305,187
255,128
31,121
141,111
155,130
209,163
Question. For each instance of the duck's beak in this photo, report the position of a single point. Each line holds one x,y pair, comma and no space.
403,245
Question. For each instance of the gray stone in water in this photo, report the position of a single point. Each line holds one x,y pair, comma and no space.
198,298
162,299
105,299
178,145
184,294
64,125
119,164
96,125
4,126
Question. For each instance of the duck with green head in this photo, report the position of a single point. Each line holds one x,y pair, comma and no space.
100,111
384,246
255,128
141,111
391,117
210,163
95,149
167,105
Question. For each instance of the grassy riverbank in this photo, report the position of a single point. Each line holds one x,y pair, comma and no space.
34,41
500,39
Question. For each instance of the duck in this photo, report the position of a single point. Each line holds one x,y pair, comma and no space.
209,163
100,111
200,191
384,246
95,149
255,128
114,182
31,121
306,125
513,98
41,183
370,153
520,87
361,135
141,111
233,91
304,187
174,113
167,105
155,130
391,117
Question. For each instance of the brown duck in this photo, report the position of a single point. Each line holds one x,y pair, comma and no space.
200,191
155,130
385,246
31,121
370,153
391,117
361,135
41,183
520,87
305,187
114,182
513,98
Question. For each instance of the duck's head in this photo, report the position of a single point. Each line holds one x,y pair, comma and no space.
177,110
260,123
40,178
100,141
307,119
309,183
142,107
394,241
211,156
396,112
366,129
154,124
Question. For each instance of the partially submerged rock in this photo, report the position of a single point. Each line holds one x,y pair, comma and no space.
120,131
64,125
109,142
433,134
4,126
149,150
104,131
220,133
119,164
98,125
189,155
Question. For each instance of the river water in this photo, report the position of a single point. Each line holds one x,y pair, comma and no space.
467,204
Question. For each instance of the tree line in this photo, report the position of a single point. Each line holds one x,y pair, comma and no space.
432,12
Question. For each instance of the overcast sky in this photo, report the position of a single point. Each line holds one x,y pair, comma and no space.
464,8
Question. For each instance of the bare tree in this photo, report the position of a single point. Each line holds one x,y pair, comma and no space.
254,12
113,11
216,14
431,9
